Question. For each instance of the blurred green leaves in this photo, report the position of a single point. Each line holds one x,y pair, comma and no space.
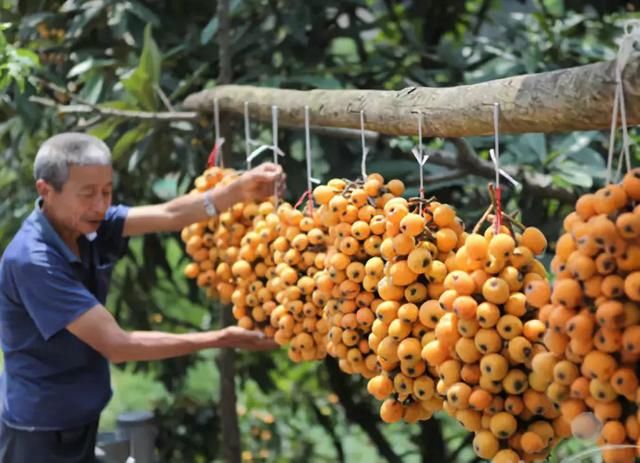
143,81
16,64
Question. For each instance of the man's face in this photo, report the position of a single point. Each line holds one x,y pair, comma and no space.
83,201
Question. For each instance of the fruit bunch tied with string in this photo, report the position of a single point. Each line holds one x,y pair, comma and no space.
422,236
353,213
487,335
253,296
300,283
210,244
594,319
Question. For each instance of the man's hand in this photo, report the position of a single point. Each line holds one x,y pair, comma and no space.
261,182
234,336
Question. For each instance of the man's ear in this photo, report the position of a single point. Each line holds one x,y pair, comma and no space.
43,188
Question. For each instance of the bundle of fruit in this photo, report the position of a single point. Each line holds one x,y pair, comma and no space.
421,236
494,287
214,244
594,319
300,284
352,211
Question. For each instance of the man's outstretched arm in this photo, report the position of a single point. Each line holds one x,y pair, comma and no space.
99,329
255,184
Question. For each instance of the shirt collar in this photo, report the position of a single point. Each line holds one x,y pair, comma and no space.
52,237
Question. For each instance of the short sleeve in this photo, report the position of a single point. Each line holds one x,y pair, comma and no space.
110,232
51,294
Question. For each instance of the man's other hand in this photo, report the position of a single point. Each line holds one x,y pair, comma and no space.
234,336
261,182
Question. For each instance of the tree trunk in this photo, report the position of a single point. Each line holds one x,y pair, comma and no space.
579,98
231,448
358,412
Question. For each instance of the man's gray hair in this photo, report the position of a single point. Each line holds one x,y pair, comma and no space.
59,152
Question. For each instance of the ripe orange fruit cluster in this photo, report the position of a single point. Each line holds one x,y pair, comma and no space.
438,318
593,319
353,212
214,245
299,283
485,340
266,262
422,238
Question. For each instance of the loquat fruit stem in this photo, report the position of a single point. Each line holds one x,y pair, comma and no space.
427,235
483,219
512,219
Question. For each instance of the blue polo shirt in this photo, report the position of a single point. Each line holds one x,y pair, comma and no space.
53,380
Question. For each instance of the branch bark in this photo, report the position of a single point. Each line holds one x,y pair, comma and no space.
579,98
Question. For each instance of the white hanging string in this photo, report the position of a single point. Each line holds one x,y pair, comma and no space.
365,150
255,153
612,135
421,157
496,142
274,131
310,180
219,141
307,140
630,38
247,135
495,152
276,150
495,157
273,147
503,172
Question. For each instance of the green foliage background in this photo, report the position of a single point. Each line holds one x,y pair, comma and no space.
123,54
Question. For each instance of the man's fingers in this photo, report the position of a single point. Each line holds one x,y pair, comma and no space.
265,344
268,172
269,167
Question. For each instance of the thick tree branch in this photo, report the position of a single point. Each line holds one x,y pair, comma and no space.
578,98
165,116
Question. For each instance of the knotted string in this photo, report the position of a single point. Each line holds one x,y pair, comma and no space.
365,150
631,36
421,159
248,141
218,158
495,156
310,179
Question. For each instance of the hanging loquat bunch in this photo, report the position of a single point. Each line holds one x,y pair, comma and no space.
485,340
253,298
421,236
594,320
300,284
213,244
352,210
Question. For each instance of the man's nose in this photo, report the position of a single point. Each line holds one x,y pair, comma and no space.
101,204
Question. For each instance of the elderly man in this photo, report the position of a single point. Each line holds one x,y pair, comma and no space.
57,336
